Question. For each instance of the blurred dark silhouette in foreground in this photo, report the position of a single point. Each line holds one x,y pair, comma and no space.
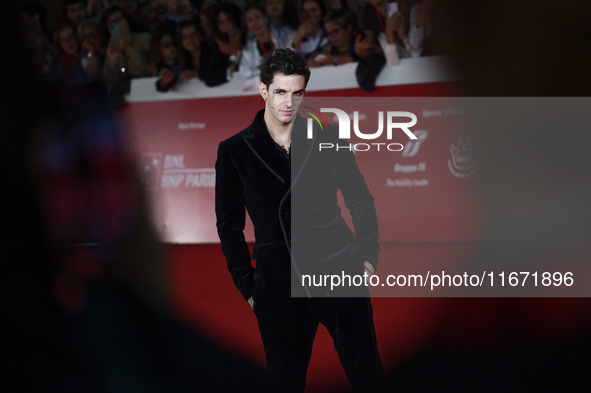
84,300
535,188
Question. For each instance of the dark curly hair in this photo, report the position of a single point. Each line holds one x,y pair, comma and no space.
284,61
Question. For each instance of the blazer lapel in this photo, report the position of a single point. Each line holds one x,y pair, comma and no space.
260,143
302,148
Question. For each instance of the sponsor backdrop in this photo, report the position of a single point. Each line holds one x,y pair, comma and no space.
175,143
424,188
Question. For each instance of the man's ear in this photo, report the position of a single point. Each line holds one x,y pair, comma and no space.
263,90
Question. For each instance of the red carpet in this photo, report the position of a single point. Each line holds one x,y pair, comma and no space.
205,298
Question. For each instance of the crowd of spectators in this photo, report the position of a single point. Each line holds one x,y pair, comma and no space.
114,41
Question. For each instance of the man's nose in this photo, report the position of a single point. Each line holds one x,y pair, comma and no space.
290,101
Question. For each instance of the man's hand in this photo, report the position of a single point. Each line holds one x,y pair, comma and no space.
305,29
365,45
167,76
225,47
86,47
395,23
319,60
188,74
369,269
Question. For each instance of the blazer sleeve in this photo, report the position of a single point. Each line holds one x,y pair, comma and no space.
231,216
360,203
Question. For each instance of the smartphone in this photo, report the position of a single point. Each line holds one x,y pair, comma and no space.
115,29
392,8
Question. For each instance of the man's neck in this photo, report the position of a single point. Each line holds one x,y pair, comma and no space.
280,132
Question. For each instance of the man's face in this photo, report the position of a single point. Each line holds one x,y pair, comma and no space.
76,12
283,98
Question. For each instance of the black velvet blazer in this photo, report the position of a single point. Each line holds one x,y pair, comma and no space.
297,220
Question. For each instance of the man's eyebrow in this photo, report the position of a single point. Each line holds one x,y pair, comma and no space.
280,90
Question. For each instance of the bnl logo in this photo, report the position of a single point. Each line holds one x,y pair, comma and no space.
345,123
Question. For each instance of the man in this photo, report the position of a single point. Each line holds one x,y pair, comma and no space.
256,170
74,11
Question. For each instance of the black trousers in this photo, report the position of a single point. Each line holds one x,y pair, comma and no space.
288,330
